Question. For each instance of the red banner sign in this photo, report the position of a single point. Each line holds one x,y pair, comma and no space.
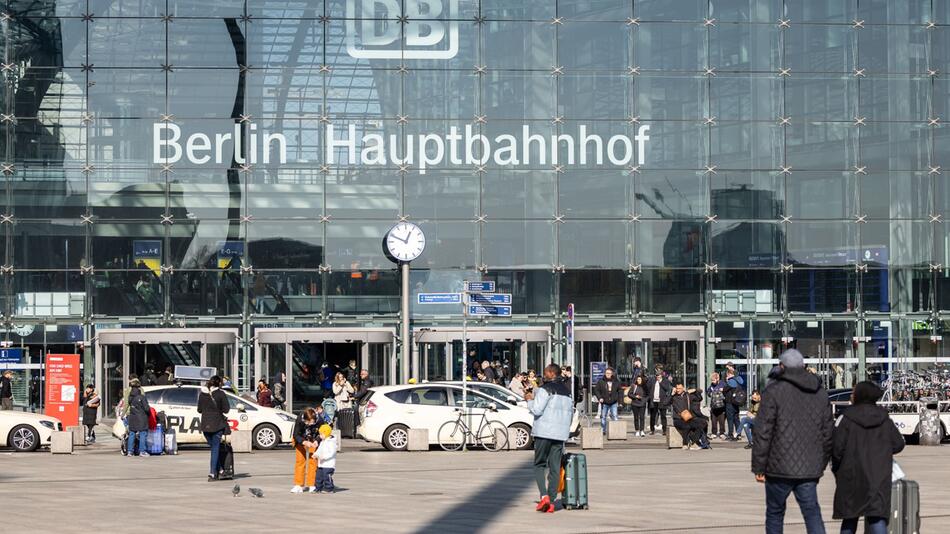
63,389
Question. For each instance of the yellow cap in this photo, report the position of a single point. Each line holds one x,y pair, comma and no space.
325,431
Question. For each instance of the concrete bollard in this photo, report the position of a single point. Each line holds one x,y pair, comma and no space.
616,430
418,439
338,434
502,438
79,435
674,440
61,443
241,440
592,438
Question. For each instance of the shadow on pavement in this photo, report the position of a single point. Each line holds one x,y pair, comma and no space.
477,511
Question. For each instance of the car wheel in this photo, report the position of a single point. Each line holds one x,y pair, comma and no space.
396,438
24,438
520,436
266,437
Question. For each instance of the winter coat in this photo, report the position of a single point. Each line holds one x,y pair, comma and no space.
6,388
637,390
792,432
608,391
213,407
341,394
90,408
666,392
138,411
865,442
691,401
732,384
265,398
304,431
362,388
553,410
326,453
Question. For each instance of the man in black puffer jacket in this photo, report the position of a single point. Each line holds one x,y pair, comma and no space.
792,443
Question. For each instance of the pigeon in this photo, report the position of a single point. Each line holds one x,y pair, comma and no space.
256,492
236,490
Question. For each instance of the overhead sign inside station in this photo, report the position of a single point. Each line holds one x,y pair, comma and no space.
439,298
481,286
489,298
498,311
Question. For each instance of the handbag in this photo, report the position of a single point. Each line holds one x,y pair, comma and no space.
686,415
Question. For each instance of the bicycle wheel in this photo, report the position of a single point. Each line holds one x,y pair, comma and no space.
451,435
493,436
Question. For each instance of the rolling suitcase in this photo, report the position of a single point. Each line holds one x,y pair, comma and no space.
905,508
575,481
226,460
171,442
346,422
155,441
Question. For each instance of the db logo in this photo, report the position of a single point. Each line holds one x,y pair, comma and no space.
420,29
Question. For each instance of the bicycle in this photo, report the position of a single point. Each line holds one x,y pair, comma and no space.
491,434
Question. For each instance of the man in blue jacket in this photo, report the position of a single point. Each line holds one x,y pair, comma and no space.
552,409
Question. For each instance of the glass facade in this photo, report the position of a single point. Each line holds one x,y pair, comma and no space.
793,190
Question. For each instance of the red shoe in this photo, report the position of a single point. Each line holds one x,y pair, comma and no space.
550,509
543,504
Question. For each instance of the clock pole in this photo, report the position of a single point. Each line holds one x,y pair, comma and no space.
404,329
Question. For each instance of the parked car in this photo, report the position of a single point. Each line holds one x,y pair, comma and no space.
388,412
270,427
26,431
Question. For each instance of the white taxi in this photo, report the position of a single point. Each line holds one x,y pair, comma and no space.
388,412
25,431
270,427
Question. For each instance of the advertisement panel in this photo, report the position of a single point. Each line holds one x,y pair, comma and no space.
63,388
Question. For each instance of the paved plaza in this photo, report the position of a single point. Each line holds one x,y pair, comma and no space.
635,486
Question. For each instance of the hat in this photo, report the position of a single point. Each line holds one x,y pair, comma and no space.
792,359
325,431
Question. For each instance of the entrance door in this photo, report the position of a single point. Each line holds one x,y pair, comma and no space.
307,359
441,355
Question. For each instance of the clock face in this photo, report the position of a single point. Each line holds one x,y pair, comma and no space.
405,241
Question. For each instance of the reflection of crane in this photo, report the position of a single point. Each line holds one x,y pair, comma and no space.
681,248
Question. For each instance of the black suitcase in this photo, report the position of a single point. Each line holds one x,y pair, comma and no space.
346,422
226,461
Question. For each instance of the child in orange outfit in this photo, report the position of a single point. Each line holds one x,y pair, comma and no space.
306,432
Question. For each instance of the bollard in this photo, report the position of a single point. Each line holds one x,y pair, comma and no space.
338,434
617,430
592,438
674,440
79,435
241,440
418,439
61,443
931,433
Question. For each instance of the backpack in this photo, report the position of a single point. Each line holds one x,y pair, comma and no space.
738,397
716,399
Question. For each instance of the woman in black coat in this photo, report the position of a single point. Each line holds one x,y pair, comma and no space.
638,401
865,442
213,407
137,418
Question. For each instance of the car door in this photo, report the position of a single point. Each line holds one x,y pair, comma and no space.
428,407
181,411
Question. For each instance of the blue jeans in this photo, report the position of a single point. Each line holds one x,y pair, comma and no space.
747,423
732,419
874,525
325,478
605,411
776,496
214,440
130,444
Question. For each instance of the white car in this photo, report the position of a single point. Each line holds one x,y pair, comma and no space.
25,431
388,412
269,426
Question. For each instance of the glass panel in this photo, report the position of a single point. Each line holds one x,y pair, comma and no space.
275,373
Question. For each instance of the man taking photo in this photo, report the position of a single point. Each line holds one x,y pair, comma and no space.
552,409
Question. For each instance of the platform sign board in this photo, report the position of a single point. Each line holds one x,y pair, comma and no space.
14,355
597,371
487,286
63,388
489,298
498,311
439,298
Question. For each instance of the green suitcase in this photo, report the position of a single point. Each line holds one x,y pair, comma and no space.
575,481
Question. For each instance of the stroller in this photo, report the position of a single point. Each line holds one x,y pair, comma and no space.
329,410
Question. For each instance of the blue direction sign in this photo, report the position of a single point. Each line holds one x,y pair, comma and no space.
11,355
501,311
489,298
440,298
487,286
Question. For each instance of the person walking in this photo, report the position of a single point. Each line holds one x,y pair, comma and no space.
735,400
213,407
138,412
659,394
264,395
864,443
552,408
717,406
792,443
90,411
638,401
305,440
342,392
609,393
6,390
748,421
